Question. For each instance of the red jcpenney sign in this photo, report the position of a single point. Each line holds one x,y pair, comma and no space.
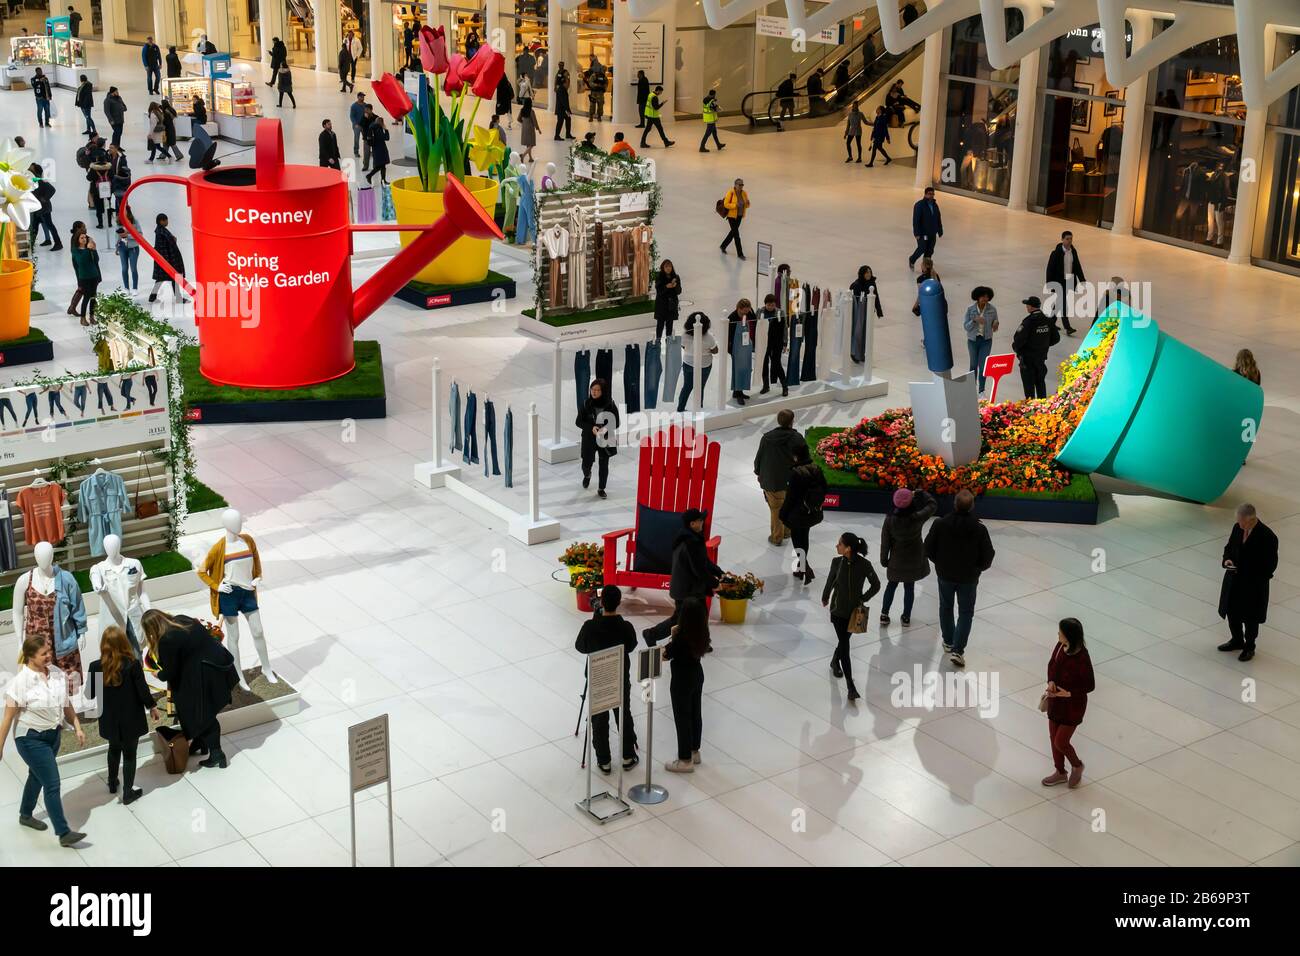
831,501
995,366
433,301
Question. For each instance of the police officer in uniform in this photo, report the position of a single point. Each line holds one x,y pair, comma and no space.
1035,336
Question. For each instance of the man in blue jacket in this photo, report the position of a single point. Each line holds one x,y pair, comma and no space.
927,226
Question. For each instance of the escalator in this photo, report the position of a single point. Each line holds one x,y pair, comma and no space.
853,74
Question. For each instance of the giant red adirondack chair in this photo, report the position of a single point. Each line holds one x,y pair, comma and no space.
678,470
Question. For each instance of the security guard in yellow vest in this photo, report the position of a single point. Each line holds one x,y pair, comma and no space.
711,122
652,120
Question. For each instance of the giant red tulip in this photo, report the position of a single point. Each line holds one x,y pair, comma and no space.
392,96
475,63
454,82
489,73
433,50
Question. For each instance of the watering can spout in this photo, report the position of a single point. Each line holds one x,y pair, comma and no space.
462,217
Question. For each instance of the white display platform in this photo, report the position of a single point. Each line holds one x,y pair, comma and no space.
69,77
585,330
855,390
237,129
158,589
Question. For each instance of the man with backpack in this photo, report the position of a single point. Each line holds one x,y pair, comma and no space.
772,465
597,84
41,90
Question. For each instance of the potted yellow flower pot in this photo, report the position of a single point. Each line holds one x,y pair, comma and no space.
15,299
733,609
467,259
734,592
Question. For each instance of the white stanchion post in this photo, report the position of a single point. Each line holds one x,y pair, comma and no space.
436,425
846,339
722,376
555,449
534,496
869,318
697,385
434,472
557,379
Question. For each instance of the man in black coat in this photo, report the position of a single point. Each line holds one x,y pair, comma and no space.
115,110
1064,275
610,629
74,21
772,465
85,101
1249,561
927,226
279,58
201,674
693,573
165,243
329,146
958,544
642,95
151,58
1035,336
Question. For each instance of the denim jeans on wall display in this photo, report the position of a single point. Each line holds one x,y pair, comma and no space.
632,378
490,437
672,365
509,437
454,405
581,376
654,370
470,452
32,410
605,365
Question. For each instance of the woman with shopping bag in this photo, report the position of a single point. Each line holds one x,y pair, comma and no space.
843,593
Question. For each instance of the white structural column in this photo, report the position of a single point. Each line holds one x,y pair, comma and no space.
1252,163
112,13
928,127
554,50
273,24
500,27
164,27
1132,143
383,53
1027,112
218,26
624,89
327,33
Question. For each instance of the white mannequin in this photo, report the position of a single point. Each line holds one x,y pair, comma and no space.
103,577
548,179
234,524
41,578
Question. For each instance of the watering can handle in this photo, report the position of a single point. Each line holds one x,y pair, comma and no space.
125,219
269,153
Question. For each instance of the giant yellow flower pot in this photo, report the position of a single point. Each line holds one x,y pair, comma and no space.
467,259
15,299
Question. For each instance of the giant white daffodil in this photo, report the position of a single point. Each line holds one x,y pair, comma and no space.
13,159
16,200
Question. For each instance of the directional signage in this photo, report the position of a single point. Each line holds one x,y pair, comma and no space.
779,27
647,50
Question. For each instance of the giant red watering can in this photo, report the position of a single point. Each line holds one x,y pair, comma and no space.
282,236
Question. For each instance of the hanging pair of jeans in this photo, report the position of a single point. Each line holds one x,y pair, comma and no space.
490,437
809,371
858,344
793,366
151,383
56,400
32,410
742,358
509,437
469,455
581,375
7,406
632,378
672,365
605,365
654,370
454,404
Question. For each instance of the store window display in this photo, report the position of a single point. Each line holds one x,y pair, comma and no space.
1196,124
119,582
232,570
531,45
354,29
1279,207
244,28
300,32
587,46
47,603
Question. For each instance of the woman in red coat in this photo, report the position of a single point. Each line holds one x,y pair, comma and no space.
1069,682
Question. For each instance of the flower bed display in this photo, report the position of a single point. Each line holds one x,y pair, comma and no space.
1020,440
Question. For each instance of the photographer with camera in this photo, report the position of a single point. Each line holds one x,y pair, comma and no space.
607,628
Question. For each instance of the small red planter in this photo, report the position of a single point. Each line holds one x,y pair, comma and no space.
584,600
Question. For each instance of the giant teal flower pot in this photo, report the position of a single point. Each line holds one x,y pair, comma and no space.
1164,416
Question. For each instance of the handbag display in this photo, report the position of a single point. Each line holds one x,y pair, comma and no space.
175,749
146,507
858,620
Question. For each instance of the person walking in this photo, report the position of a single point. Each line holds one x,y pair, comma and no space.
853,132
1069,682
563,113
605,630
169,128
37,703
115,111
773,463
743,312
597,84
801,510
1249,562
345,66
710,117
378,150
44,217
785,96
279,59
165,243
879,137
736,205
198,111
642,97
85,265
504,97
128,254
356,50
598,423
685,652
328,144
116,680
1031,343
697,324
173,63
528,128
980,323
200,674
927,226
773,366
157,135
1064,276
151,59
84,100
902,550
850,583
653,121
959,546
357,117
41,90
284,83
668,288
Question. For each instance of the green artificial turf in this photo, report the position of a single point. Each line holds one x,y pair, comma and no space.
595,315
495,279
1080,487
364,381
33,335
155,566
199,497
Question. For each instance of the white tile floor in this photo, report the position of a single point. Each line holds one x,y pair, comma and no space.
381,597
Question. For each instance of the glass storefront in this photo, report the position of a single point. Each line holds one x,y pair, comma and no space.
1279,201
586,37
1080,131
708,59
979,122
353,23
1196,124
531,42
300,32
245,33
407,18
